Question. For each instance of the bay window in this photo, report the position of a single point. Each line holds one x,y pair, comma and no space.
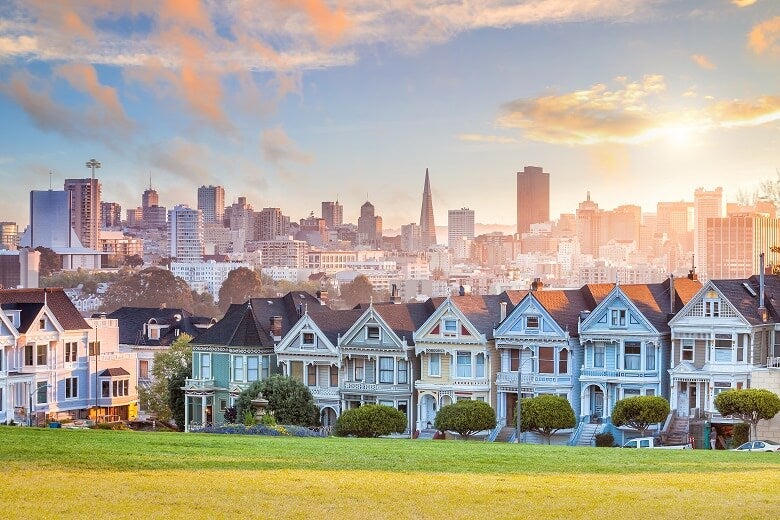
632,355
434,365
463,360
386,370
480,365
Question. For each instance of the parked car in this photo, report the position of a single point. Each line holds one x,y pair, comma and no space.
758,446
654,442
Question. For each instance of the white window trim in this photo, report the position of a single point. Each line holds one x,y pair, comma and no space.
430,364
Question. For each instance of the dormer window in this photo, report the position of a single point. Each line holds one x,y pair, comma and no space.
42,324
711,308
372,333
532,323
618,317
450,327
307,340
154,333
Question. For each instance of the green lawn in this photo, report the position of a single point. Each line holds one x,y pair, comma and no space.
60,472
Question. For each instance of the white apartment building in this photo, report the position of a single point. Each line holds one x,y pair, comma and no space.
285,253
205,276
185,231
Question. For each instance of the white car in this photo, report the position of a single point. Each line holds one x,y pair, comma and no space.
758,446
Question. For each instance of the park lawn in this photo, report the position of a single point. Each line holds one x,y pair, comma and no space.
47,473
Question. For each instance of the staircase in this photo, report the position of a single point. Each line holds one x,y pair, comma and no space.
589,431
505,434
678,431
426,435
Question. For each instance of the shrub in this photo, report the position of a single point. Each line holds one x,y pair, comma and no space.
268,419
640,412
604,440
249,418
289,399
466,418
546,414
371,420
749,404
231,415
741,434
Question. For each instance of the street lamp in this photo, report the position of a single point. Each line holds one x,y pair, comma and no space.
519,391
94,206
96,351
32,393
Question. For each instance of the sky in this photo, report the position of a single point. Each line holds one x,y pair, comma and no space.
293,102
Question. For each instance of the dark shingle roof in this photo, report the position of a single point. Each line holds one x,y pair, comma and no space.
747,304
484,312
114,372
335,323
564,305
56,299
132,319
405,318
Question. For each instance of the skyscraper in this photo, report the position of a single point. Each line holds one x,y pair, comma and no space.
152,214
706,205
211,201
185,230
369,226
533,198
9,235
110,215
427,224
85,209
734,244
333,213
460,231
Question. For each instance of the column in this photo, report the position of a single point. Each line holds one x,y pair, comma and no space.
186,412
203,410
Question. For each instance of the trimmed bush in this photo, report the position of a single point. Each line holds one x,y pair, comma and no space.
741,434
546,414
749,404
289,399
604,440
466,417
640,412
371,420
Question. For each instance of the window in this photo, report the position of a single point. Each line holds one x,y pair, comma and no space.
205,366
450,327
71,387
598,356
28,355
391,404
42,324
121,387
723,344
372,332
403,372
463,360
40,358
480,365
360,369
222,405
532,323
434,365
94,348
630,392
563,361
42,395
154,333
632,355
514,360
143,369
307,339
546,360
650,391
711,308
720,386
687,350
238,368
386,370
105,389
311,375
252,368
618,318
649,357
71,351
334,376
266,367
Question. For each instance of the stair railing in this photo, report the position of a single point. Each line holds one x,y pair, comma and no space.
493,433
575,437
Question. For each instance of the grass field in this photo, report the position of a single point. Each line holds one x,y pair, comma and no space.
82,473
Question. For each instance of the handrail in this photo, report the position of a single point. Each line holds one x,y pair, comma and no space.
512,438
494,433
578,431
667,424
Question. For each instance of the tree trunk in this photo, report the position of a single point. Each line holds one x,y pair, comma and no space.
753,430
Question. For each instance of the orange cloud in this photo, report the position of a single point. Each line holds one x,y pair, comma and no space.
329,24
188,13
482,138
734,113
64,18
85,79
703,61
743,3
765,37
279,148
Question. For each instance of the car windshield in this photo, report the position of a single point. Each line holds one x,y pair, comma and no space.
746,446
771,443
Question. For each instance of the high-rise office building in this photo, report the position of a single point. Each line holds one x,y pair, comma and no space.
333,213
110,215
185,231
427,223
734,244
150,198
85,209
369,226
588,217
9,235
272,224
460,225
706,205
533,198
410,237
211,201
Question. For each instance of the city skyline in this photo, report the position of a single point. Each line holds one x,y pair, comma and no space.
354,102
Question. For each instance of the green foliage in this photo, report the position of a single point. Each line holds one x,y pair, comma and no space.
546,414
150,287
176,400
466,417
167,365
240,285
203,305
604,440
87,280
268,419
357,291
134,261
289,400
741,434
371,420
249,418
750,404
231,415
50,262
640,412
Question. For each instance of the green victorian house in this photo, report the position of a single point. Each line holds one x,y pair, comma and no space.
236,351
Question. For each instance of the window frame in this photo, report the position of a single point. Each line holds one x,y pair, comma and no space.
479,366
618,317
205,365
463,369
687,346
529,326
434,360
359,367
71,351
384,372
563,361
373,333
72,387
237,368
402,367
306,335
634,357
250,369
41,355
599,356
311,375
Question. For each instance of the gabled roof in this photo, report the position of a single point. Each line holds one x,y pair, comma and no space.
405,318
114,372
484,312
132,319
564,306
335,323
746,303
31,301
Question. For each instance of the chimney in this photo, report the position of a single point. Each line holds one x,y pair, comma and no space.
692,273
461,291
394,296
672,294
502,314
276,327
322,296
761,289
537,284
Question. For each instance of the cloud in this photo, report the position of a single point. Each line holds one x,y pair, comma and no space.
184,159
633,113
278,148
765,37
17,46
482,138
743,3
703,61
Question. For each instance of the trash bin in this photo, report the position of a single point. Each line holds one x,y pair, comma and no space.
54,424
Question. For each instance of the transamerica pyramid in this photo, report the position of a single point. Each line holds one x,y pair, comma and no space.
427,224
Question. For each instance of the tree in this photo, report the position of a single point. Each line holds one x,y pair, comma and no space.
176,400
168,364
749,404
371,420
50,262
640,412
134,261
151,287
203,305
546,414
357,291
240,285
466,417
289,400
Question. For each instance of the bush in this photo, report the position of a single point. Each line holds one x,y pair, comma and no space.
640,412
289,400
231,415
604,440
466,418
546,414
741,434
371,420
249,418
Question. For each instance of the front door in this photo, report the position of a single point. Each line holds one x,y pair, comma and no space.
597,403
683,409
